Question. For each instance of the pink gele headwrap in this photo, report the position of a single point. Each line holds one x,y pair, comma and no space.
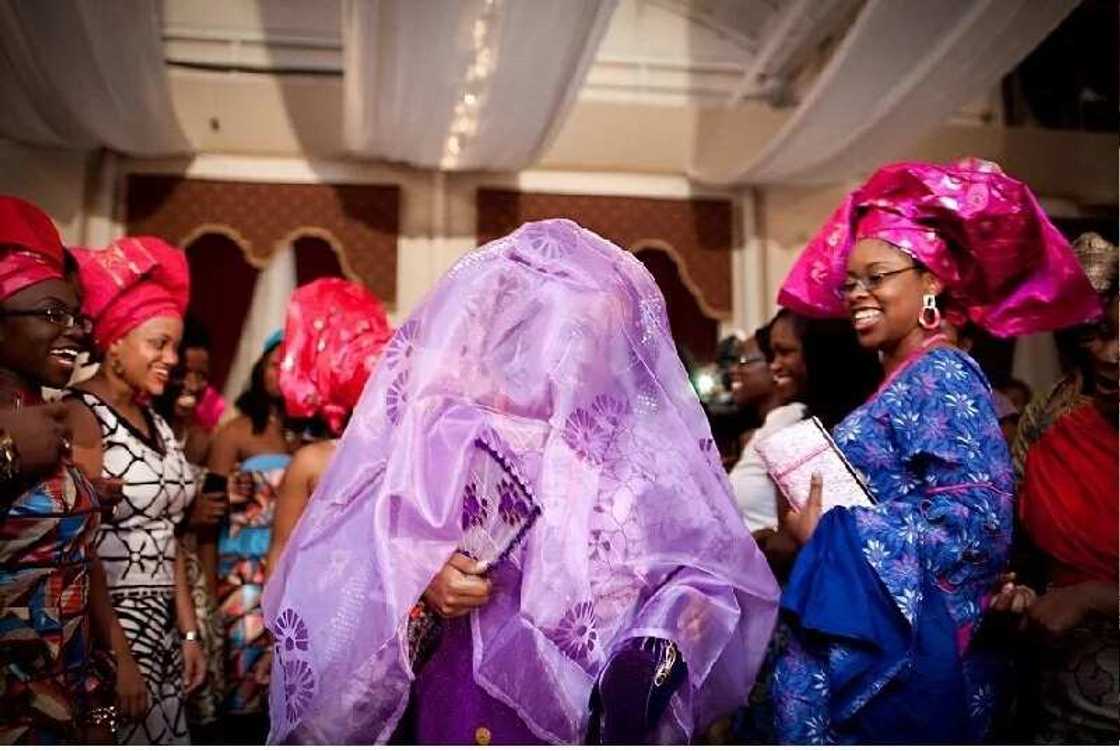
981,232
132,281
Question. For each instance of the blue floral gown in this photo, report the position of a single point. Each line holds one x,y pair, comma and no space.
883,604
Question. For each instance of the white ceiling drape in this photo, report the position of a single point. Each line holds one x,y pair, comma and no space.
903,68
463,84
86,75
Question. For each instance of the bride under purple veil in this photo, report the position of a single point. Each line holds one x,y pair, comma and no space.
550,349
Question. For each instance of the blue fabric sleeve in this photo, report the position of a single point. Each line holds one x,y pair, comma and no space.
834,594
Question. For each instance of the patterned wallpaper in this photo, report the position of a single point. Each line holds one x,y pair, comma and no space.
697,233
363,221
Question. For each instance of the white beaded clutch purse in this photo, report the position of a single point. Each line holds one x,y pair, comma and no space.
793,454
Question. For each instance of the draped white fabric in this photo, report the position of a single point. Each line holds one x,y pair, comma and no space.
464,84
85,75
267,312
903,68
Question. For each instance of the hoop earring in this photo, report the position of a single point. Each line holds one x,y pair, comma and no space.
930,317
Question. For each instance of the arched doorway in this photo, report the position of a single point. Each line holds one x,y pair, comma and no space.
221,290
315,259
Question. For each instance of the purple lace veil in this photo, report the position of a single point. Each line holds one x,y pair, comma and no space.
541,362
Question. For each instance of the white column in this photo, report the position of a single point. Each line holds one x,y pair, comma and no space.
749,274
104,202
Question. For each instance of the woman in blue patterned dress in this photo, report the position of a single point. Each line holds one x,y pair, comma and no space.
879,617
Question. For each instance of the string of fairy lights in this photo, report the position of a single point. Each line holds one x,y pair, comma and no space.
472,92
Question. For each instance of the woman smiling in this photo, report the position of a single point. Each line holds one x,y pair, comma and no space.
136,292
883,603
50,589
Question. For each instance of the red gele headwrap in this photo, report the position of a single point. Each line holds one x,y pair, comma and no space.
979,231
132,281
333,338
30,249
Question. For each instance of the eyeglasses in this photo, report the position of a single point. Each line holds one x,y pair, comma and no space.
752,360
61,317
871,282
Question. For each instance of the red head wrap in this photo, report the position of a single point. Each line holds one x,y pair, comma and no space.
132,281
30,249
979,231
333,339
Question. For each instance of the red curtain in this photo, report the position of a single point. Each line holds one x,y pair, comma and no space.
221,291
692,330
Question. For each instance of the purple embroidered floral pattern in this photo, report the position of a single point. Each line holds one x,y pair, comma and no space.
599,544
584,436
551,241
475,506
291,632
611,410
576,633
511,506
396,399
299,687
710,452
506,347
591,432
399,348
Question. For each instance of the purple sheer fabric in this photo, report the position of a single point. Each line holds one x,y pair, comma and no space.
550,349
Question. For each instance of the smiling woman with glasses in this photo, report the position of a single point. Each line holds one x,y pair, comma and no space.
871,281
883,602
59,316
53,603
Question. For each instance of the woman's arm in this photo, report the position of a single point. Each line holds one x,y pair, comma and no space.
1061,609
197,446
132,694
194,661
85,436
222,459
292,497
225,448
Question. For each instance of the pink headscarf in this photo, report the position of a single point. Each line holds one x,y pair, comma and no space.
333,339
979,231
30,249
132,281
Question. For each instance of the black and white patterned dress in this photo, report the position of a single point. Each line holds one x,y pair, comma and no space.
138,552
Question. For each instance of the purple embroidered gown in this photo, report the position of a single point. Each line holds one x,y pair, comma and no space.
539,373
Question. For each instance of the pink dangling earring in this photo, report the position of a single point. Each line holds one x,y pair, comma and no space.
930,317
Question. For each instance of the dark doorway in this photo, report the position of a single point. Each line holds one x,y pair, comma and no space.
221,291
696,334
